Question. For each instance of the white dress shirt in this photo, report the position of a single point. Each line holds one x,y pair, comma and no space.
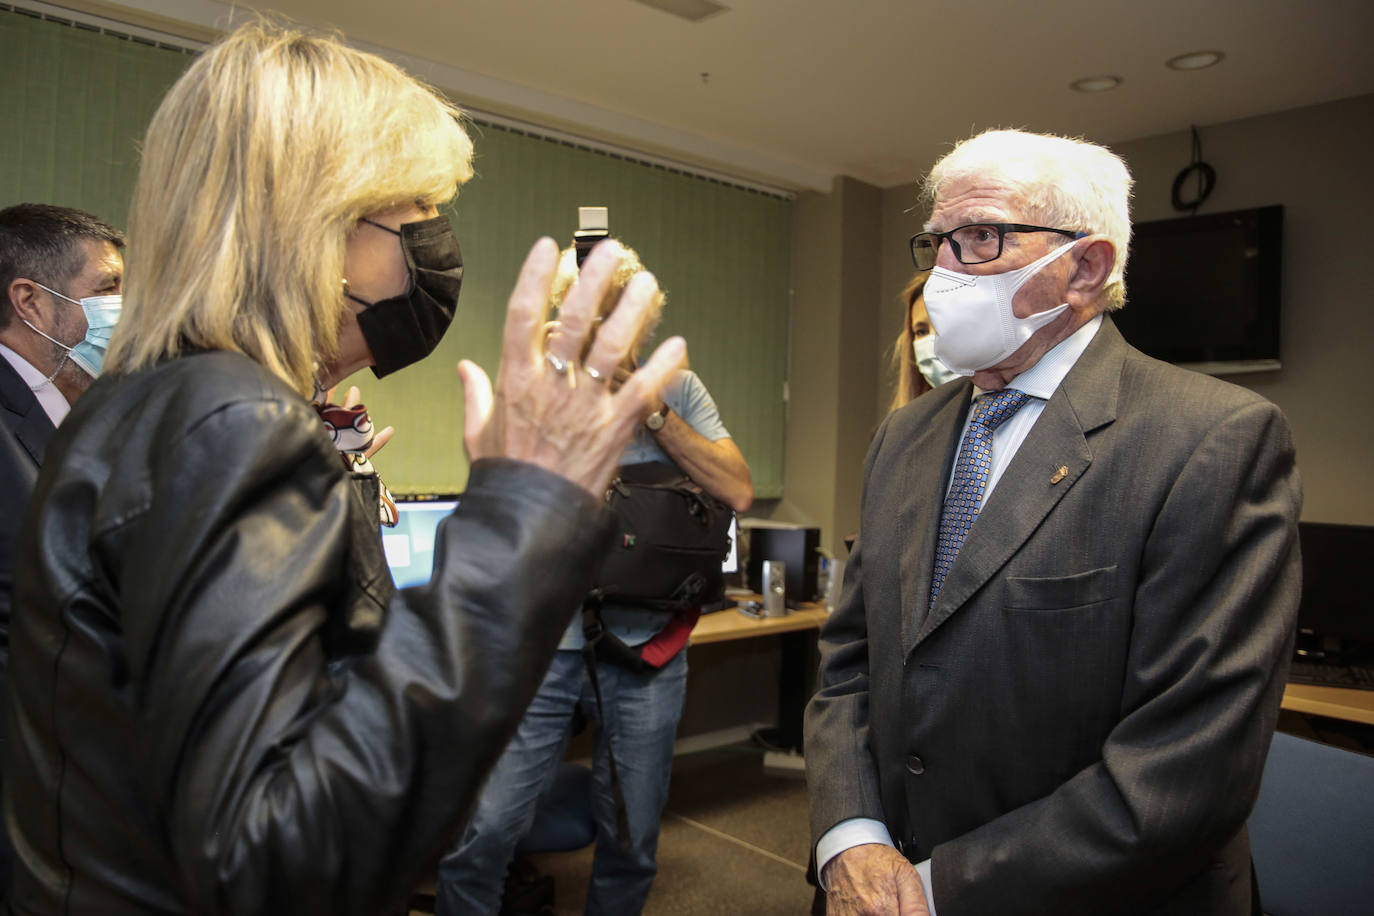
49,398
1040,382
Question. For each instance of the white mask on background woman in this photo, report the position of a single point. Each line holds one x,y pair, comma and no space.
934,371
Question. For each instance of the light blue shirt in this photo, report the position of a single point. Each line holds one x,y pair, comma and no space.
1040,382
686,396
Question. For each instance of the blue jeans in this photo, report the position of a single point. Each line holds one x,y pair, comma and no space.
641,713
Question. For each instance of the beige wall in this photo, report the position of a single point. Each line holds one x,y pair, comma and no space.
832,373
902,217
1315,161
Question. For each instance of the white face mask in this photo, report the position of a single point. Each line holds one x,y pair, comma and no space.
972,315
934,371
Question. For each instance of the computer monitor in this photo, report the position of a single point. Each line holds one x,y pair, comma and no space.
731,563
410,545
1336,617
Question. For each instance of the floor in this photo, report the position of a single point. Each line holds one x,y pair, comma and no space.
734,840
735,837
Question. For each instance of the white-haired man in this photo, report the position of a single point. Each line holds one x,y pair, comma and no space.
1058,658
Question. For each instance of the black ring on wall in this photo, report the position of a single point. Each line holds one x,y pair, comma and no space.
1208,182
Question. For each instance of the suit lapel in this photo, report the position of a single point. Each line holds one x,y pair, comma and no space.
923,491
22,413
1032,484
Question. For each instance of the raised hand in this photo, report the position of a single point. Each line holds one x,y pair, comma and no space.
548,408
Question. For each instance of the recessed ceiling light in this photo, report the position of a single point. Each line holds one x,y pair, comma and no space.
1096,83
1194,60
691,10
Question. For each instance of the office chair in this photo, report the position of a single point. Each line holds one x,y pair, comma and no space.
1312,830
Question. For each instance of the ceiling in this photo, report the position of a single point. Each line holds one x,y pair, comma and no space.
794,92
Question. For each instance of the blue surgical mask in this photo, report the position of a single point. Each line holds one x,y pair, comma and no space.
102,314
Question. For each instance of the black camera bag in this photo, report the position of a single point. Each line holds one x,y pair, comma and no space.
672,540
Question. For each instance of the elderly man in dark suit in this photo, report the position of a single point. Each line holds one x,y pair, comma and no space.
50,259
1057,662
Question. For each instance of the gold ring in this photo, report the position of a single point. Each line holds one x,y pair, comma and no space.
559,364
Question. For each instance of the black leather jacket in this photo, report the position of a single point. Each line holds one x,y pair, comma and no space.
218,705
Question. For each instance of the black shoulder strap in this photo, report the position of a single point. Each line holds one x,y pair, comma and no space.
593,631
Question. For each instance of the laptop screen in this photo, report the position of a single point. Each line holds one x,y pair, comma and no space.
410,545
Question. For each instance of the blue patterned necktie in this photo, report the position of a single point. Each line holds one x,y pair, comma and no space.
970,481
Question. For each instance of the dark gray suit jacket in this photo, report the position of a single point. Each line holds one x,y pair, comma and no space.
24,433
1080,722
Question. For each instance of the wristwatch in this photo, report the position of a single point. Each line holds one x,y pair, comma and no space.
654,421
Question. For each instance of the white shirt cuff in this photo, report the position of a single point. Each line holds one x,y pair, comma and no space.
856,832
923,869
846,835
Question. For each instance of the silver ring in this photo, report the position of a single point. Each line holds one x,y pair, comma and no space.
594,375
559,364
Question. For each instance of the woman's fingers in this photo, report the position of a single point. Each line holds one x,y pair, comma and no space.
478,401
379,440
542,410
618,333
645,383
578,311
523,339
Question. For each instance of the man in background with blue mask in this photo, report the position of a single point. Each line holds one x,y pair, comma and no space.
1056,664
57,267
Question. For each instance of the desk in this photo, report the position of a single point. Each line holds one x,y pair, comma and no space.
731,624
1336,702
797,667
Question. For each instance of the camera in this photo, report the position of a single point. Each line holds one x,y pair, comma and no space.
593,225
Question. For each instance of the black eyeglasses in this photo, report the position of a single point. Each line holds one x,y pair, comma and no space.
976,243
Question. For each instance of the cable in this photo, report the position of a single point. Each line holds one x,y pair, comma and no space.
1206,179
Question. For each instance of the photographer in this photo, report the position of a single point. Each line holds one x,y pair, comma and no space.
639,709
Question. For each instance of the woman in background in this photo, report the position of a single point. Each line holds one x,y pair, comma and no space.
913,352
220,704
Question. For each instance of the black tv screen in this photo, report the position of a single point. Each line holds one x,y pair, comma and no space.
1203,291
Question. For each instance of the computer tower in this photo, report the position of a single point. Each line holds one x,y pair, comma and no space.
796,546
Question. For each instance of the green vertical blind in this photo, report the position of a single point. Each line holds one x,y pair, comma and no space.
77,101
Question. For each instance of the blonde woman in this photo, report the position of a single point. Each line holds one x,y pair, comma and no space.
218,703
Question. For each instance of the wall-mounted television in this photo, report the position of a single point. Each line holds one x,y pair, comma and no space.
1203,291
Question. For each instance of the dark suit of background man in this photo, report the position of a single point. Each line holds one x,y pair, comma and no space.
76,255
1073,714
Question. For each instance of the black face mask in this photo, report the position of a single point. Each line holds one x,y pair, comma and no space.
405,329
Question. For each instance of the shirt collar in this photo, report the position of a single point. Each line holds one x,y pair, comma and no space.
1044,378
49,398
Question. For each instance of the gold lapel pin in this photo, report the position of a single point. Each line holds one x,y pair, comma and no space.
1060,474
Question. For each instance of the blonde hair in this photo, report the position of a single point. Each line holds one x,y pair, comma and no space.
629,266
256,166
911,384
1063,182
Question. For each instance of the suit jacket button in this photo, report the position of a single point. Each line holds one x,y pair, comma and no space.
915,765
